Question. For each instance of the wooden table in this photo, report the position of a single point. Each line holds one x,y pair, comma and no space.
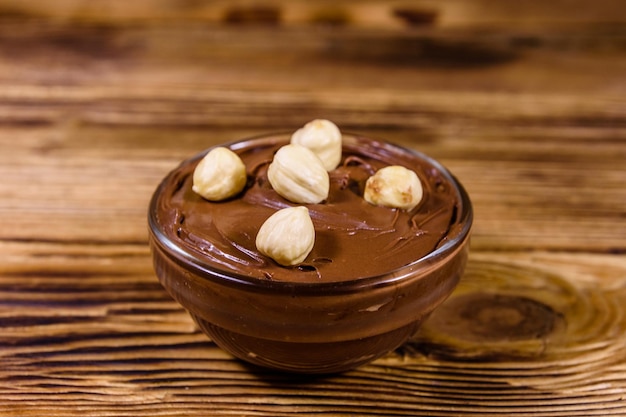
524,102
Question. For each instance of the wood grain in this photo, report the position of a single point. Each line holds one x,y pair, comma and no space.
523,102
100,333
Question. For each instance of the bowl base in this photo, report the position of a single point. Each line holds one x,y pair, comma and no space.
309,358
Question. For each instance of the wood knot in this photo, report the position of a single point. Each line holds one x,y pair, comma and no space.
416,16
502,313
493,317
331,16
253,14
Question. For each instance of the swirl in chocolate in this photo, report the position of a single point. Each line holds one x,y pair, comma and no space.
354,239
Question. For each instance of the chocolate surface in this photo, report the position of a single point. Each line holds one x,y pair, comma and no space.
354,239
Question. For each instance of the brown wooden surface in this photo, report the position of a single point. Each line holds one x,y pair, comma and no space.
523,101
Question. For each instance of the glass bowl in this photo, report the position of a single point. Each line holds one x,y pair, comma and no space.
309,327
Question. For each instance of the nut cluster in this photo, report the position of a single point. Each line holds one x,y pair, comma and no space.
299,173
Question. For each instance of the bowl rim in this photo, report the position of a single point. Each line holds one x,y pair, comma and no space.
193,263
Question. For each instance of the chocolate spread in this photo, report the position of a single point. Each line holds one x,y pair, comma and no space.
354,239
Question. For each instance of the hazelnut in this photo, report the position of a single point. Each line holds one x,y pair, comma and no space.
394,186
219,175
298,175
287,236
323,138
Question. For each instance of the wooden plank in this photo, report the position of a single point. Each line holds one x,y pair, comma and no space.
368,13
543,186
46,54
101,335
